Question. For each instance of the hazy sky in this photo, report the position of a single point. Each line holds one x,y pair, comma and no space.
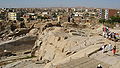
59,3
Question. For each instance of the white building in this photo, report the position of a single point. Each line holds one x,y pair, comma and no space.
78,14
12,16
44,13
106,14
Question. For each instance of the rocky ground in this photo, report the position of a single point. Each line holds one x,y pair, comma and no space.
26,63
68,46
108,57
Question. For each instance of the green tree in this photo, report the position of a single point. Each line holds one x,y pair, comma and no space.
102,20
115,19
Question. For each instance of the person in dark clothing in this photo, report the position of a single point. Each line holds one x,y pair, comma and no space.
114,50
99,66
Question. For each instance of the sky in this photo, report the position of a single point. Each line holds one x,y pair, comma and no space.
59,3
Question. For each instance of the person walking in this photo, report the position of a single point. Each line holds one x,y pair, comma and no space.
110,47
103,48
114,50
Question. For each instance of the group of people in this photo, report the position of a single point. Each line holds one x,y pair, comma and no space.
110,35
108,47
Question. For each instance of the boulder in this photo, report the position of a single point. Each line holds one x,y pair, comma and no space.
33,32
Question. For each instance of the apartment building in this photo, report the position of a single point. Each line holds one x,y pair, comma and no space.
107,13
12,16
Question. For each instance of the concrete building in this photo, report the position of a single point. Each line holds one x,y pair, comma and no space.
107,13
78,14
100,13
12,16
31,16
3,15
44,13
113,12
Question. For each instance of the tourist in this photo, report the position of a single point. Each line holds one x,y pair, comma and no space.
99,66
112,35
107,29
109,35
104,29
104,34
114,50
115,39
116,36
109,47
103,48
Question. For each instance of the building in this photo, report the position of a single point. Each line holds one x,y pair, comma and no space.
107,13
3,15
44,13
12,16
112,12
29,16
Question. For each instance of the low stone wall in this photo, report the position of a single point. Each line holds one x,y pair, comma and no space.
20,44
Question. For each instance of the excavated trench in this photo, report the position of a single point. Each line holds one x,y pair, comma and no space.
18,45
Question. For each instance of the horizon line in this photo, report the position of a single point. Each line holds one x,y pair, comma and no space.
62,7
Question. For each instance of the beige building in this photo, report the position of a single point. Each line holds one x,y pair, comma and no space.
12,16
